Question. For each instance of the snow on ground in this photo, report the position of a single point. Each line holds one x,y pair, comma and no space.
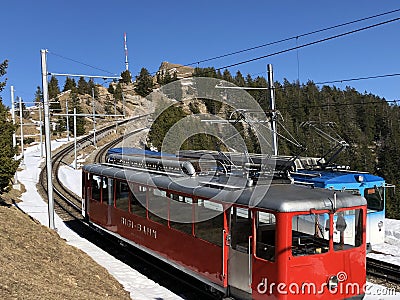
389,251
138,285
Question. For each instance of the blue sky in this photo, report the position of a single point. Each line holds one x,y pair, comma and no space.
91,32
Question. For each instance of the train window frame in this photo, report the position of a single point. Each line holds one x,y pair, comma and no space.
108,187
99,187
118,186
341,237
136,207
379,192
181,200
305,243
202,229
265,246
240,229
154,194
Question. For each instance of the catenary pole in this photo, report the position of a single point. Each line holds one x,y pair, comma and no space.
94,121
272,104
75,163
14,136
48,140
66,111
22,131
123,104
40,129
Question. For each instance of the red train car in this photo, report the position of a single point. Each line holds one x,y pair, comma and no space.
252,242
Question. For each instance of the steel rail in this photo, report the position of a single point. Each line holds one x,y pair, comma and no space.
383,269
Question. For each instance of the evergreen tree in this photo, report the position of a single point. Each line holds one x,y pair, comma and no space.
91,86
69,84
118,92
55,106
163,123
164,78
80,121
53,88
249,81
167,78
108,107
25,112
239,80
226,75
159,78
111,89
83,86
175,76
38,95
126,77
144,83
205,72
8,165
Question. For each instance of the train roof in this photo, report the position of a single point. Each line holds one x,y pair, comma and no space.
276,197
137,151
330,177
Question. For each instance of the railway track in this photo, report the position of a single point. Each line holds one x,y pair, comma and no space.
68,206
101,154
382,269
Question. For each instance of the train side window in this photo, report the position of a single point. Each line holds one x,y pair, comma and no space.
122,196
374,197
96,187
309,234
138,200
158,206
347,229
181,213
265,235
209,222
108,191
240,228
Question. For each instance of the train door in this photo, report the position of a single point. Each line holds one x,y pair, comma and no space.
240,258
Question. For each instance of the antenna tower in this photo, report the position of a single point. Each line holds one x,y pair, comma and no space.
126,53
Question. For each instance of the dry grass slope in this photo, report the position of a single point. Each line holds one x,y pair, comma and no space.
36,263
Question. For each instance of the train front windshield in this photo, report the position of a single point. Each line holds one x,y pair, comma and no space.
375,198
311,232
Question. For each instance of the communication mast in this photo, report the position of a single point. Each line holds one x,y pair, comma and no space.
126,53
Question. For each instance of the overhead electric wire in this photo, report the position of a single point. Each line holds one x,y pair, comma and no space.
358,78
81,63
293,37
285,39
309,44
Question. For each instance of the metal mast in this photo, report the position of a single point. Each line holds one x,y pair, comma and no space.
273,114
48,140
14,136
126,52
22,131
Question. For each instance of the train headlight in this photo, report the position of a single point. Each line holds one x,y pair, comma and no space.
333,283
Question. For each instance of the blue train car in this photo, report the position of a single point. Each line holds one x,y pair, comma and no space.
372,187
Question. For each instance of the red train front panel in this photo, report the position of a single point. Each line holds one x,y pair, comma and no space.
318,255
